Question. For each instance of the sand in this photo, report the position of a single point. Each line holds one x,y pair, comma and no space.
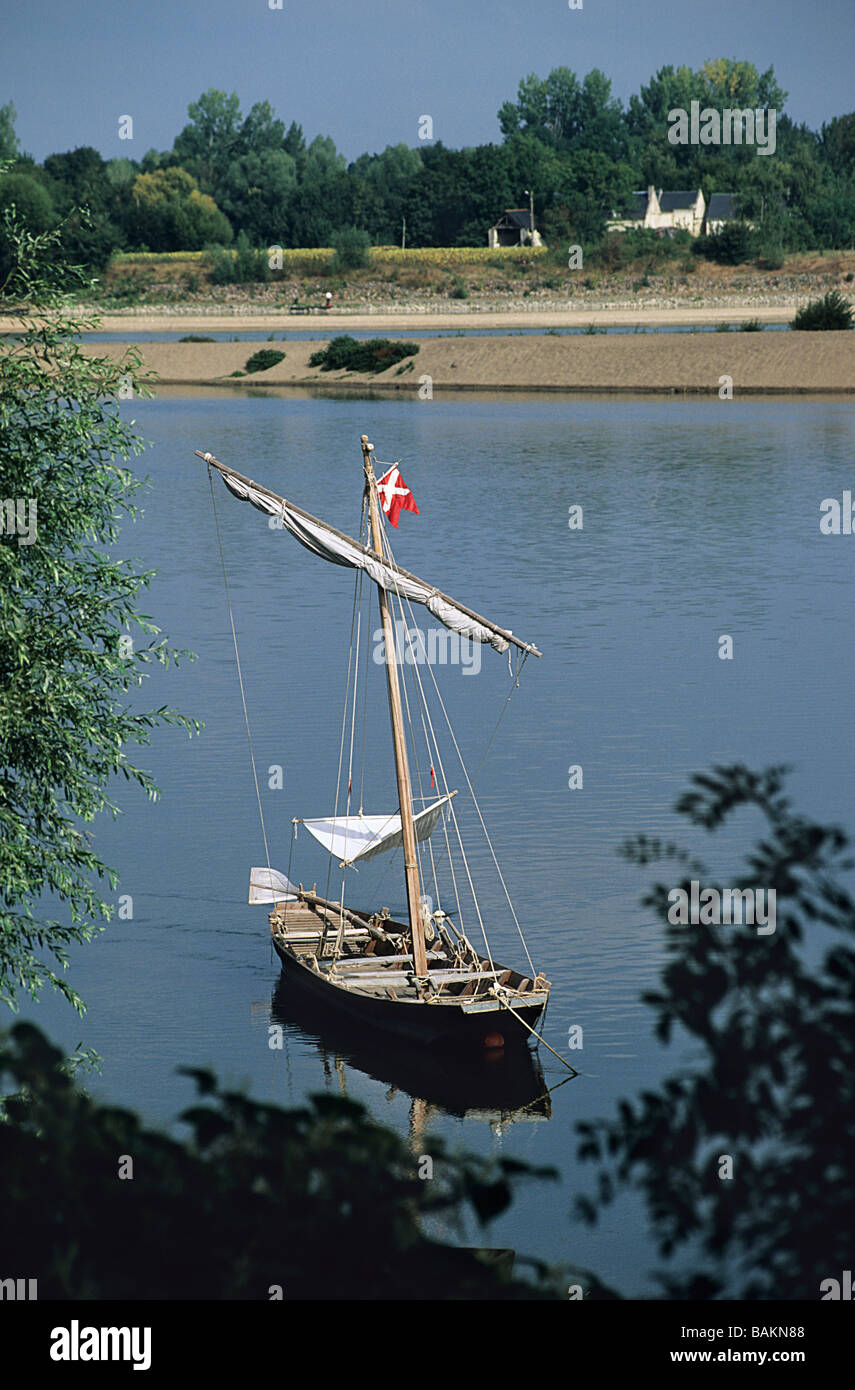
785,362
413,321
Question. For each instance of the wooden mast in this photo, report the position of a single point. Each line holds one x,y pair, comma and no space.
411,865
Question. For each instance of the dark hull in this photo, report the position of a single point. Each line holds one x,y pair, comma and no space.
427,1024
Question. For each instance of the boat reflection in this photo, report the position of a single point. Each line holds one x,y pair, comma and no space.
498,1087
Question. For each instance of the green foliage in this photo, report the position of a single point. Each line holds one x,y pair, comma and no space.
263,359
321,1201
242,266
829,314
196,338
459,288
67,609
170,213
10,145
351,246
31,205
767,1024
733,245
751,326
353,355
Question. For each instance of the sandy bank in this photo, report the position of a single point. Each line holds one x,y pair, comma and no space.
757,362
143,321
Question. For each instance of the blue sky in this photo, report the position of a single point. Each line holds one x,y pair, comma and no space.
364,71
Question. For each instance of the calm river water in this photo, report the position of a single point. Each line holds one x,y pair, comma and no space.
701,518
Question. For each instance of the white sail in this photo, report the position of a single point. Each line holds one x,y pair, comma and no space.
352,838
332,545
269,886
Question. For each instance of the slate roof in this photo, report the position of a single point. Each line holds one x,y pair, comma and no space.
722,206
672,202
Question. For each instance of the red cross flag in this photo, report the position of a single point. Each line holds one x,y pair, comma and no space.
395,496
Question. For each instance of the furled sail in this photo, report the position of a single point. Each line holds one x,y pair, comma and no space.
332,545
352,838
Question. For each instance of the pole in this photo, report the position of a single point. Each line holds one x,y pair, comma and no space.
405,796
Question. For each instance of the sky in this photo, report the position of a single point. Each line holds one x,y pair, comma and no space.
365,71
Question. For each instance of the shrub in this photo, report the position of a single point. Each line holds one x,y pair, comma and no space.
733,245
459,288
263,360
372,355
751,326
831,313
196,338
239,267
352,246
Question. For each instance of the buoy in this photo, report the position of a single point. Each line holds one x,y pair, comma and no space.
494,1040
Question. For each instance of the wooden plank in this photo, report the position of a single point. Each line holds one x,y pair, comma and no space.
443,976
356,963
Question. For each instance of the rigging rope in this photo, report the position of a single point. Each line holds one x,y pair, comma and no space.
239,671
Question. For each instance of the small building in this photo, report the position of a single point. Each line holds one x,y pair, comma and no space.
514,229
664,212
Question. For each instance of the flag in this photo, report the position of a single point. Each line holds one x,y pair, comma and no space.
395,496
432,779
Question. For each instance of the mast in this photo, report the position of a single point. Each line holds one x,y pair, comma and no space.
411,865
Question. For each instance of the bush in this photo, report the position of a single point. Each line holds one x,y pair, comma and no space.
263,360
830,314
239,267
320,1200
373,355
459,288
733,245
196,338
351,246
751,326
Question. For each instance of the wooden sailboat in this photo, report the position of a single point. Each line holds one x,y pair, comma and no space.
421,978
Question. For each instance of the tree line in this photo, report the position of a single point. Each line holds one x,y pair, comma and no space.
579,148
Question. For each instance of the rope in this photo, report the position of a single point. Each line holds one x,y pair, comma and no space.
495,990
239,671
472,794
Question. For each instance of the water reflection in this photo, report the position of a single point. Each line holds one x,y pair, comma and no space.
500,1087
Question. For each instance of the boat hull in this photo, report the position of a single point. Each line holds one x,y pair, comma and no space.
435,1025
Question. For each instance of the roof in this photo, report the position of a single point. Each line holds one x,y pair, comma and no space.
515,217
722,206
671,202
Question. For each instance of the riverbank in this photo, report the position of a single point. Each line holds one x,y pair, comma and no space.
769,363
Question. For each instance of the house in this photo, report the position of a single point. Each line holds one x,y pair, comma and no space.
514,229
664,212
722,208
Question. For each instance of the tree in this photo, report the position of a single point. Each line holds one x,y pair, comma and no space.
170,214
772,1086
33,208
67,609
564,113
210,139
10,145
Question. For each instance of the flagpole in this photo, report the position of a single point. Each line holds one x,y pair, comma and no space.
405,794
